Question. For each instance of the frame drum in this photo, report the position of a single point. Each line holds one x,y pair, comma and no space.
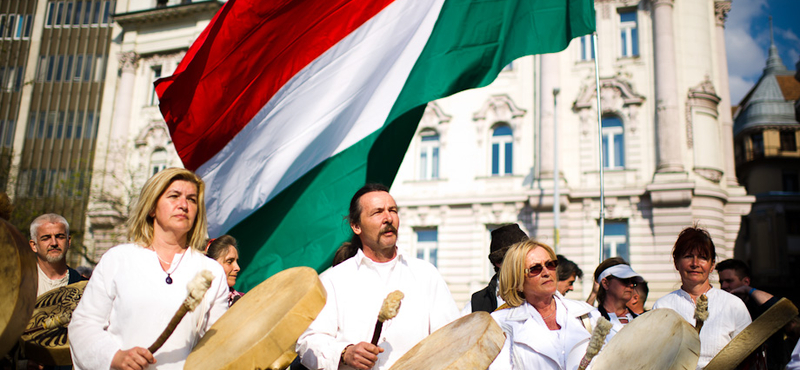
471,342
261,329
51,346
659,340
754,335
18,290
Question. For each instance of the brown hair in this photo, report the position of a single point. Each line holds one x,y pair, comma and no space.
694,239
218,247
609,262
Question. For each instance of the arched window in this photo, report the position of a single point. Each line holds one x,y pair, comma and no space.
428,155
158,161
613,143
502,151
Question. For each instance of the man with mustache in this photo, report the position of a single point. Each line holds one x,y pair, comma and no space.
50,241
339,337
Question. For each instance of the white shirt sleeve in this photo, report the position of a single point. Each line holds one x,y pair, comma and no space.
794,361
91,346
317,346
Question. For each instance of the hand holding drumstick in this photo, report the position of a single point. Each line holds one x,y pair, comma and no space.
364,355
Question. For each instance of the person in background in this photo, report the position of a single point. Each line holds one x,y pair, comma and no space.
568,272
487,299
639,297
50,241
225,251
694,256
85,271
137,288
616,280
735,278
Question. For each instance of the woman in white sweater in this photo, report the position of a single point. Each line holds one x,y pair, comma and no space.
137,288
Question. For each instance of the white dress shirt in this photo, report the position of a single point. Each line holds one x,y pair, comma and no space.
127,303
794,361
531,345
356,289
616,325
727,316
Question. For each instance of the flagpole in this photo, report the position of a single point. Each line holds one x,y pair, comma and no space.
600,143
556,190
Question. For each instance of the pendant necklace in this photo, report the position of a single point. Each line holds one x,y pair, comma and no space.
169,278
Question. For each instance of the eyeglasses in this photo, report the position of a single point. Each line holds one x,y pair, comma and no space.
626,282
536,269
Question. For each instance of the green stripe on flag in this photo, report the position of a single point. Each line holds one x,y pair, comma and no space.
470,43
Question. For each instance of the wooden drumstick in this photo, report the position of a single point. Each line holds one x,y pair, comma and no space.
197,289
700,312
389,310
596,342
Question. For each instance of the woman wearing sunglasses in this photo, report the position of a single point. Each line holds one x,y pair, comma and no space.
543,330
616,280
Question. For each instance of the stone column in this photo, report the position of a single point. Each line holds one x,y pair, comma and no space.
548,80
128,61
721,9
666,76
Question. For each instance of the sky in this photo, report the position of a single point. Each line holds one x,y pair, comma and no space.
747,40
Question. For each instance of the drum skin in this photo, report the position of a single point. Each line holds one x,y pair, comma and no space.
469,343
19,284
51,346
659,340
260,331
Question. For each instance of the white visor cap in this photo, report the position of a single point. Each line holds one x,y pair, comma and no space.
621,271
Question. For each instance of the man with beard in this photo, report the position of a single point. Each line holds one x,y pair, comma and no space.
50,241
339,337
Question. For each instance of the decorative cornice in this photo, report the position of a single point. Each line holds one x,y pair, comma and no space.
169,13
503,107
586,97
435,115
721,9
128,61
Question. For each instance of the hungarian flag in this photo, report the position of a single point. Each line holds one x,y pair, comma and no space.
286,107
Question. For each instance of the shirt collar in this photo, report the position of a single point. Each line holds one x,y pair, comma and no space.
362,258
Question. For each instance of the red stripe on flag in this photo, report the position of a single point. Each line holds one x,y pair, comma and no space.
245,55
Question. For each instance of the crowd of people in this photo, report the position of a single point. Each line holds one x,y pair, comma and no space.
136,287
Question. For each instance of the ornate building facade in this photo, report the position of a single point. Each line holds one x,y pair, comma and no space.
487,157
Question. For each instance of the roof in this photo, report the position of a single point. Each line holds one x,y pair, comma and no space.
790,87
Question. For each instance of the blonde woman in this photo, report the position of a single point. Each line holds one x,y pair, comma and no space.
543,330
136,288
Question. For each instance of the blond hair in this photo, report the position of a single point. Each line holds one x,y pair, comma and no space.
512,272
140,223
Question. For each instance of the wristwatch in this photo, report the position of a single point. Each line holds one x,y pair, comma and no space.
341,357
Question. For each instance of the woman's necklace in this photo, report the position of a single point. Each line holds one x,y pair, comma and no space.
169,278
554,311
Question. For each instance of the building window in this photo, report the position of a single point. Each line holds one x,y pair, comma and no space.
788,141
586,52
156,72
792,222
158,161
629,36
615,240
613,143
427,245
790,183
429,155
502,151
758,145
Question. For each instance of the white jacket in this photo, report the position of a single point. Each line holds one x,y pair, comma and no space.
531,345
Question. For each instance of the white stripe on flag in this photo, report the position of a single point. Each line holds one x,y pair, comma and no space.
336,101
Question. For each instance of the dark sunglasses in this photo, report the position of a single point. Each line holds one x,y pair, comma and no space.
536,269
626,282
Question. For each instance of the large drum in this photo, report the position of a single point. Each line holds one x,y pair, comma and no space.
469,343
659,340
754,335
18,288
261,329
45,338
